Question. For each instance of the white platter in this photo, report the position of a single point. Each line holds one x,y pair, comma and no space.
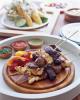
11,25
69,29
71,50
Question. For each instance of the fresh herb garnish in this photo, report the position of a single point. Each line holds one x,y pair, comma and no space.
44,19
5,50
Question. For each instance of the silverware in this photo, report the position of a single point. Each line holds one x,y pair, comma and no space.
60,42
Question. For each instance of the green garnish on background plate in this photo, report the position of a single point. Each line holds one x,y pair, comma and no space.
21,23
44,19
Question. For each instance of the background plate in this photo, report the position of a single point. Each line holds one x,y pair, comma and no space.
11,25
48,29
69,29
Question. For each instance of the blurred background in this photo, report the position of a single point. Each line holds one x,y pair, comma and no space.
75,3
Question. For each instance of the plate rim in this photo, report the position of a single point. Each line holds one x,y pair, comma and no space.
43,95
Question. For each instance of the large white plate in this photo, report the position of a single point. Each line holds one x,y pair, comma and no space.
70,49
69,29
11,25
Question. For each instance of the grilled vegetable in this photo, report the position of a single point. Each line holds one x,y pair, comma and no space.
28,19
36,18
21,53
24,14
19,10
21,23
41,14
16,61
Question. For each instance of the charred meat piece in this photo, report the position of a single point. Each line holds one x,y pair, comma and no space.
52,52
57,61
57,69
57,49
46,56
34,56
32,65
50,72
56,54
40,61
49,50
53,46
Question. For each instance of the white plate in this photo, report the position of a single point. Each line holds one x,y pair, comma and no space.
70,49
11,25
69,29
